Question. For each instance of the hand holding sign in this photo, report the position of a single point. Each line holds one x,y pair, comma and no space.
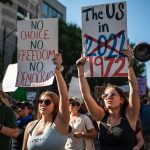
58,62
104,36
129,54
80,64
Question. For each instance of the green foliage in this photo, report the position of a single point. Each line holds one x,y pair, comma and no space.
70,45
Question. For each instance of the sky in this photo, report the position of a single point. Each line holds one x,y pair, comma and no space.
138,19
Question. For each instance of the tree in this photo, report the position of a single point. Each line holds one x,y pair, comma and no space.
70,45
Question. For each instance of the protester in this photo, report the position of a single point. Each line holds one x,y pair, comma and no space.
81,127
145,119
118,118
8,122
25,116
50,130
139,141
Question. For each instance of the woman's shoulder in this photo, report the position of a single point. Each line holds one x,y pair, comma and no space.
86,117
31,124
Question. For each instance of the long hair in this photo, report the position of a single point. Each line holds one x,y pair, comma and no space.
54,97
125,103
4,98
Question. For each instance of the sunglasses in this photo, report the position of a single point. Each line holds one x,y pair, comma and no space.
46,102
22,107
111,95
74,103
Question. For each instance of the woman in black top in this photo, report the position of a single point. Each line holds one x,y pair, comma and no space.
118,119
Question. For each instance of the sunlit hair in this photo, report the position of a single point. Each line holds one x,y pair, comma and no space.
125,103
54,97
4,98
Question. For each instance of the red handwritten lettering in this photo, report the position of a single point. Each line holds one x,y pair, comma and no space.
32,79
34,55
37,34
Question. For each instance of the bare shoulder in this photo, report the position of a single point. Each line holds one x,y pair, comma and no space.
30,125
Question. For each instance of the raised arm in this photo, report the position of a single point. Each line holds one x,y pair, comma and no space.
96,111
62,120
134,100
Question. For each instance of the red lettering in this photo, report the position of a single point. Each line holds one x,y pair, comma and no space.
33,78
37,34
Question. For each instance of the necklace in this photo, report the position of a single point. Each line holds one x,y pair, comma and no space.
44,124
110,126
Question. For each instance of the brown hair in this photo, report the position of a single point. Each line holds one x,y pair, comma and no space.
4,98
55,98
122,95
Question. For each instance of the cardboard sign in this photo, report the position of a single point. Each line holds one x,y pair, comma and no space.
104,36
37,46
9,80
74,88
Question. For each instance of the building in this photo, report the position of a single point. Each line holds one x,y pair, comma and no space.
13,10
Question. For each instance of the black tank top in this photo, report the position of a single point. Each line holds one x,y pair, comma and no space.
122,136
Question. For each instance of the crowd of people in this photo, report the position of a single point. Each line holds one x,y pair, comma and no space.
59,123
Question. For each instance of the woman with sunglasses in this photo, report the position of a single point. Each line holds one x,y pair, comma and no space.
118,118
49,131
81,127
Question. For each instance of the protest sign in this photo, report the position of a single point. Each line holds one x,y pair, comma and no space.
142,85
37,46
104,36
74,88
9,80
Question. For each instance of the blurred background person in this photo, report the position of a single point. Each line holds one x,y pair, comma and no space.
81,128
24,111
8,122
139,141
145,119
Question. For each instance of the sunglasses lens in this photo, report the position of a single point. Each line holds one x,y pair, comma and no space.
47,102
22,107
73,104
112,94
104,96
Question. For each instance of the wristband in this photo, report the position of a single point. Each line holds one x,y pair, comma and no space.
82,75
60,68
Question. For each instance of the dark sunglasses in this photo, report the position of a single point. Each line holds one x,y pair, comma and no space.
112,95
22,107
46,102
74,103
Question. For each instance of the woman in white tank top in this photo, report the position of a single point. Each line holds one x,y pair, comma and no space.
51,128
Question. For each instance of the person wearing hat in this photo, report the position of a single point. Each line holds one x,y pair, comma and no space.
8,122
81,127
25,109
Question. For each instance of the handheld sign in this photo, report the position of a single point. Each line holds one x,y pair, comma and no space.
141,86
9,79
104,36
37,46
